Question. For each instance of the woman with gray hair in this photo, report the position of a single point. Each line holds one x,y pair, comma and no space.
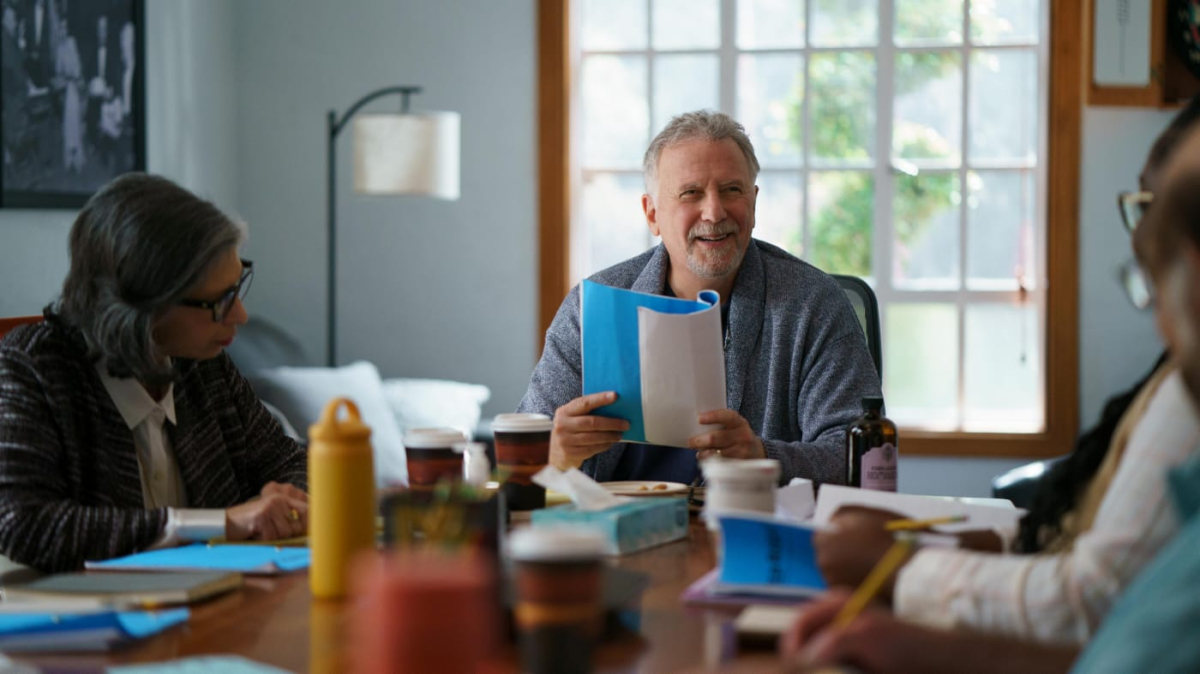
123,424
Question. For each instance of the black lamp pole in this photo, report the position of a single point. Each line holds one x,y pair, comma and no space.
335,127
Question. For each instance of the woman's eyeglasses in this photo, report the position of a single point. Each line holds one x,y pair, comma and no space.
1133,207
220,308
1137,287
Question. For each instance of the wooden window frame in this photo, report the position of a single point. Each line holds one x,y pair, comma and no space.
1067,61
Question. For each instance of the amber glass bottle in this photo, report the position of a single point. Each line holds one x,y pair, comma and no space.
872,449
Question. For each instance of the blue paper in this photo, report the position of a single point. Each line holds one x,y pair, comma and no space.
129,624
761,554
611,353
209,664
202,557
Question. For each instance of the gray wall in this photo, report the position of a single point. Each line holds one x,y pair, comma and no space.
426,288
190,137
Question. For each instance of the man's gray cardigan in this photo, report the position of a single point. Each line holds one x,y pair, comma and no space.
796,362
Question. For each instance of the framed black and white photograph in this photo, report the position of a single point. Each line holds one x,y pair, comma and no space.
74,101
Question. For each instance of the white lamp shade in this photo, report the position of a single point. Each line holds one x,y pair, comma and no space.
407,154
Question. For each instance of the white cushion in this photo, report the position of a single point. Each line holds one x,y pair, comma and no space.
301,393
436,403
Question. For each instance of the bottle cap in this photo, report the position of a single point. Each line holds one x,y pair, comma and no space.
434,438
331,427
872,404
557,542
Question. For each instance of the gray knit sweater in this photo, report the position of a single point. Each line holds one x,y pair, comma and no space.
70,487
796,361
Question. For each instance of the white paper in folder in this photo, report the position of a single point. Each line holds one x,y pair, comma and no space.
683,373
981,513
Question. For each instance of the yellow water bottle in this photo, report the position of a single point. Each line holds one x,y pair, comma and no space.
341,483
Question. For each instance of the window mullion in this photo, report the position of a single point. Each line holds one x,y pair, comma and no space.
963,295
884,229
727,59
651,53
806,244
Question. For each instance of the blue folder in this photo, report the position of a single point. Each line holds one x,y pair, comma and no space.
611,353
252,559
762,555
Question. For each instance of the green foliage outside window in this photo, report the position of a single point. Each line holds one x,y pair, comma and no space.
843,127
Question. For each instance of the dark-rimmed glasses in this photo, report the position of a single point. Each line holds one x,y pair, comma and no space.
1133,207
224,303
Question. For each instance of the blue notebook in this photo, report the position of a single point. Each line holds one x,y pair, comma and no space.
663,356
251,559
763,555
84,631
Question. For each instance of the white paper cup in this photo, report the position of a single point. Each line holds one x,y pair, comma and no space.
734,485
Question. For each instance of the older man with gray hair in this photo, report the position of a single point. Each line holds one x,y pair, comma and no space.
796,363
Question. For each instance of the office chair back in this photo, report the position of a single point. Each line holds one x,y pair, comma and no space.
866,307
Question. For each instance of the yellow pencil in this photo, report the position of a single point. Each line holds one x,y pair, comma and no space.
906,525
886,566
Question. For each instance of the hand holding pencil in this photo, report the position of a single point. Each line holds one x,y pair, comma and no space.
855,541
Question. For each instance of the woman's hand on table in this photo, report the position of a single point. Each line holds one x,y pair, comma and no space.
735,440
579,435
853,544
874,642
270,517
285,489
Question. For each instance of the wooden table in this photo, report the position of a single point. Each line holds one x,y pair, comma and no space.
276,621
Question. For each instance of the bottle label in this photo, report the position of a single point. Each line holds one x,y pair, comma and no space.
879,468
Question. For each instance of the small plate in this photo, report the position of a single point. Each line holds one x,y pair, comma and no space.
646,488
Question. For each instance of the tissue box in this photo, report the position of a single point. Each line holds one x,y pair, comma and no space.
628,527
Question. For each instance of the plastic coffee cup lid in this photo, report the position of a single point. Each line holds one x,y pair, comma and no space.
555,543
522,422
747,468
433,438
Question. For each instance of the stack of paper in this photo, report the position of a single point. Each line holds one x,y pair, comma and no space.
94,631
259,560
980,513
662,355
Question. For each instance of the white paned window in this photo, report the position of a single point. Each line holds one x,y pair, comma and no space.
903,141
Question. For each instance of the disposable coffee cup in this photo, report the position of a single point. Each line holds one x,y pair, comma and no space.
433,455
522,449
735,485
557,609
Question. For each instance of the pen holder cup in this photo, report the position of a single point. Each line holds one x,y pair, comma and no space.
454,515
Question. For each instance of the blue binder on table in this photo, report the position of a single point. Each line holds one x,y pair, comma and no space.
92,631
251,559
662,355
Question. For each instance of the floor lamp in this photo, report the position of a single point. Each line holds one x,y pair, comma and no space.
405,153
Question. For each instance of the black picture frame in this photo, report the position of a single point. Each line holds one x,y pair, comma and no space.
72,115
